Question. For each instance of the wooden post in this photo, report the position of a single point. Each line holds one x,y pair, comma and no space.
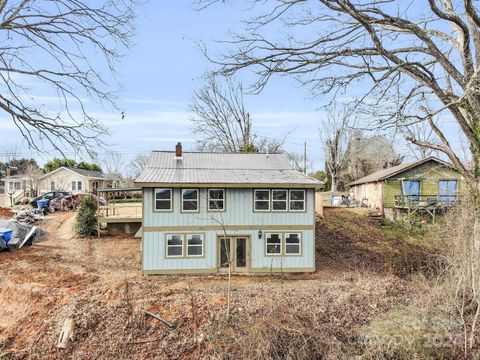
98,216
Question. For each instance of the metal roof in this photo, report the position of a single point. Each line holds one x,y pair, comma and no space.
222,168
386,173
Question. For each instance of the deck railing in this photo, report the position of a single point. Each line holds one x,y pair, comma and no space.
133,210
424,201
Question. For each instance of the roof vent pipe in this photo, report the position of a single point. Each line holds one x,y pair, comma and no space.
178,151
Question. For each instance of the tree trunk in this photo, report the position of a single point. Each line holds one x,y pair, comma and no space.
334,185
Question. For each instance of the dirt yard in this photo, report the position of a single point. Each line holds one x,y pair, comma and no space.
98,284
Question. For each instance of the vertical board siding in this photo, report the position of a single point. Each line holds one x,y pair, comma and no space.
154,252
239,211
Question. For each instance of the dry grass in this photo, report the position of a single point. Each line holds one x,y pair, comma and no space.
328,315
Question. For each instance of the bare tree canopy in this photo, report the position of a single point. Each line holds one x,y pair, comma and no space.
417,62
369,154
137,165
48,48
220,117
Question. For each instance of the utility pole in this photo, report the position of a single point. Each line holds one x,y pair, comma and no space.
305,158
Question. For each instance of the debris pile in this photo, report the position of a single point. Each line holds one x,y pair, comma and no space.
6,213
22,235
25,216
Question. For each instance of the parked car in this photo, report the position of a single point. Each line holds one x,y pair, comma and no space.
48,196
56,203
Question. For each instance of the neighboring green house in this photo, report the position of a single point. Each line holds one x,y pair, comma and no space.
428,186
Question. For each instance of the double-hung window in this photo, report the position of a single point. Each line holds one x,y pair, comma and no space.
293,244
279,200
163,199
52,185
194,245
297,200
190,200
74,185
216,199
79,185
273,243
261,200
175,245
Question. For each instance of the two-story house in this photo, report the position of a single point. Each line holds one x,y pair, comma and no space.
206,212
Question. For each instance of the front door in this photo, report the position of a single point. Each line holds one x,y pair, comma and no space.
232,251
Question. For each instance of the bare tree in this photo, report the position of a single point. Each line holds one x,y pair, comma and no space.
114,162
221,118
369,154
422,132
137,165
48,46
408,58
335,135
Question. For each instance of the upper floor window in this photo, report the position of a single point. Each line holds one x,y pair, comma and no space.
216,199
279,200
261,200
190,199
163,200
297,200
79,185
52,185
74,185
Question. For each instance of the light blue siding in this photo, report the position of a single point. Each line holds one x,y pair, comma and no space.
154,252
239,212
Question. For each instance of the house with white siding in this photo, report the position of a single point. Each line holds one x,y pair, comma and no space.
208,212
71,180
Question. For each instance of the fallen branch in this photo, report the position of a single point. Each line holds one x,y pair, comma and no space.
145,341
169,324
66,333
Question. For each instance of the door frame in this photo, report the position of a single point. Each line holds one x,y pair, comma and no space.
233,250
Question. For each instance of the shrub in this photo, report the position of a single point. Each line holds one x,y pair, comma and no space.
86,217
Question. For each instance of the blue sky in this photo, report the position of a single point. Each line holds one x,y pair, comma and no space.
160,73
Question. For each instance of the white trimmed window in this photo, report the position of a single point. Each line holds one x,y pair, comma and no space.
261,200
273,243
79,185
293,244
175,245
297,200
216,199
163,199
190,200
279,200
195,245
74,185
52,185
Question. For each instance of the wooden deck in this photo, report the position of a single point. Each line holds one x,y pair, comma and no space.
120,213
431,205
